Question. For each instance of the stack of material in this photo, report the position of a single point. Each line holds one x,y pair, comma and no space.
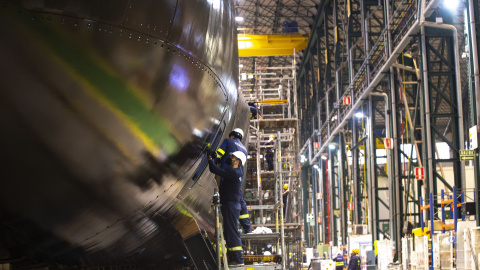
472,248
385,254
461,243
421,252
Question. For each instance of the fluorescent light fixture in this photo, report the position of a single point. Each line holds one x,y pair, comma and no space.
331,146
324,157
250,76
359,115
239,19
240,66
315,166
451,4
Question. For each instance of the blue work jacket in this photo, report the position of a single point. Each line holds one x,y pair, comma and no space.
229,146
230,183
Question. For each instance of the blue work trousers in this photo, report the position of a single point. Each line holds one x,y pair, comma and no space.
244,218
230,213
269,157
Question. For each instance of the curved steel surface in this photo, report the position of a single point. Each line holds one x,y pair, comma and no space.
105,111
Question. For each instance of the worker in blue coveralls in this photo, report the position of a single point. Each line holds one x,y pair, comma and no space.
339,261
230,195
269,152
228,146
253,110
354,263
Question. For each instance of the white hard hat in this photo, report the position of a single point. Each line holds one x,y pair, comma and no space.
240,155
238,132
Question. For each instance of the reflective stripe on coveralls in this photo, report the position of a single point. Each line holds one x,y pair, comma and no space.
239,248
220,153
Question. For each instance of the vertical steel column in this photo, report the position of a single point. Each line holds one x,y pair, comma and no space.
322,206
314,179
331,181
372,172
342,176
473,15
431,210
429,155
280,197
395,185
305,196
357,207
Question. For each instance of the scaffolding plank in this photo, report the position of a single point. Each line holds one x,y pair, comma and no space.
265,236
278,123
265,207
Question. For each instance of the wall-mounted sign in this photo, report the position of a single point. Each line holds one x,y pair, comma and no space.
467,155
388,143
419,173
473,138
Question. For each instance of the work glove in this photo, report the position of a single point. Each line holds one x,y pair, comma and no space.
211,153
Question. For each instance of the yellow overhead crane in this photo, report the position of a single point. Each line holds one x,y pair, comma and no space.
250,45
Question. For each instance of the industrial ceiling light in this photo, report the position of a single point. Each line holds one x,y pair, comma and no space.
315,166
239,19
331,146
451,4
240,66
324,157
359,115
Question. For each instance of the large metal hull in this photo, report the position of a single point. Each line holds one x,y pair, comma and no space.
105,110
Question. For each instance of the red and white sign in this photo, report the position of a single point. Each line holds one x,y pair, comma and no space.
347,100
388,143
350,206
419,173
316,145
